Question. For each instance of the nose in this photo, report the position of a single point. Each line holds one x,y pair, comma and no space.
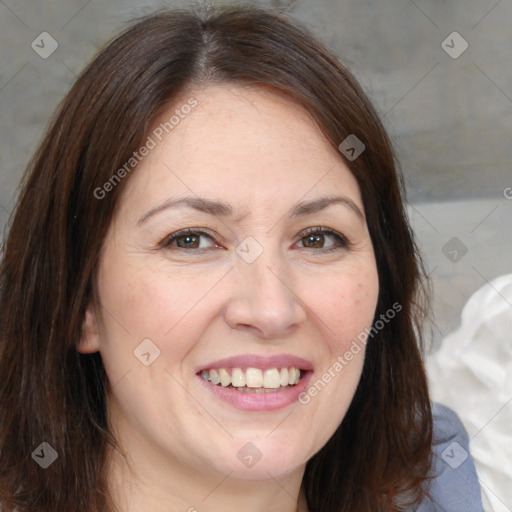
265,298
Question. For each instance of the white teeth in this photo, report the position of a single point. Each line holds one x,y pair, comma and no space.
293,376
253,378
214,377
271,379
225,379
237,378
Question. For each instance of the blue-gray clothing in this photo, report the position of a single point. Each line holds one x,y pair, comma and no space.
455,487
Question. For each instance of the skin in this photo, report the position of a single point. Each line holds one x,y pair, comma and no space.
262,154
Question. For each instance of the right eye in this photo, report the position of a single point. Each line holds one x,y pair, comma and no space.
188,239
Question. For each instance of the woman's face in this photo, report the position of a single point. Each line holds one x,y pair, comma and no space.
277,274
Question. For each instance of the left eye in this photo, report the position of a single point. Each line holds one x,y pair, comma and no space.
314,238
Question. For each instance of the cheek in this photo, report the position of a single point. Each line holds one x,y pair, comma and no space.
347,307
150,302
141,303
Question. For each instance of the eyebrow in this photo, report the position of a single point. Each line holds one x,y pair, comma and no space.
220,209
308,207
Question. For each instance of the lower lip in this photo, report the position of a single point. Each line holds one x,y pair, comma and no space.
271,401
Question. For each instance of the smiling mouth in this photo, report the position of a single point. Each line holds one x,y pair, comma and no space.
254,380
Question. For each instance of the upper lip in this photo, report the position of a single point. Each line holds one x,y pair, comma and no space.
257,361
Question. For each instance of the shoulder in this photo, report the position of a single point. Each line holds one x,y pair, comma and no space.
447,426
454,485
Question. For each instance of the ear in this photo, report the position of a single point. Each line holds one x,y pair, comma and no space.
90,339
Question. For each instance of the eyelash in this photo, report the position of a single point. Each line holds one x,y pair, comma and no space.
342,241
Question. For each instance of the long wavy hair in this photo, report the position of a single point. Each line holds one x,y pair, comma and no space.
380,455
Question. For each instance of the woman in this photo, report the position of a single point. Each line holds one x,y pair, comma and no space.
211,297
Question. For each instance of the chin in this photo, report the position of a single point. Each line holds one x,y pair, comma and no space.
261,460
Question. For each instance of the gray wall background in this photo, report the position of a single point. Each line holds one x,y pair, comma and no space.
450,117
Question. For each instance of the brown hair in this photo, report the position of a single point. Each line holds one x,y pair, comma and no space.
49,392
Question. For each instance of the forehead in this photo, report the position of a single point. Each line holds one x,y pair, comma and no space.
240,142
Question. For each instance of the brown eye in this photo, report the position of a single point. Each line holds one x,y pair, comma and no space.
187,239
314,241
316,238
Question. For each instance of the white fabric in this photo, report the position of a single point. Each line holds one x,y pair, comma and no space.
472,373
